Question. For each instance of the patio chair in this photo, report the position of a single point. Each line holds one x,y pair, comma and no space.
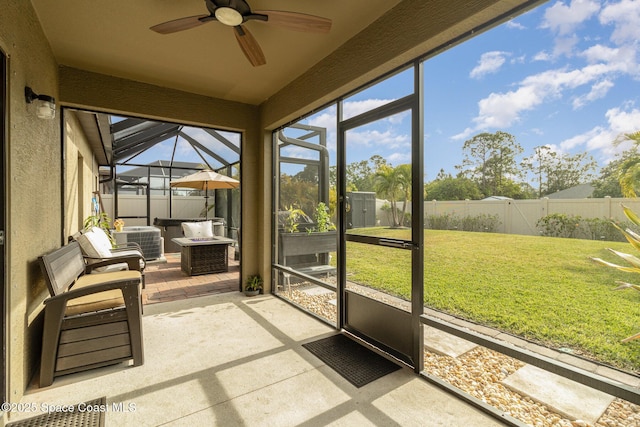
90,320
98,249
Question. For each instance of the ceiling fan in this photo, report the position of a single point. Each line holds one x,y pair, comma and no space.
235,13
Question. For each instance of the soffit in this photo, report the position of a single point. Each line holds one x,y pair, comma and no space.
113,38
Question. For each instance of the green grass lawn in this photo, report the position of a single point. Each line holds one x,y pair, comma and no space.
541,288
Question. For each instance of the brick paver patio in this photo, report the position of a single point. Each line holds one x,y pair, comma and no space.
166,281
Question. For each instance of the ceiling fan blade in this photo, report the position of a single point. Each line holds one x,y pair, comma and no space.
180,24
297,21
249,46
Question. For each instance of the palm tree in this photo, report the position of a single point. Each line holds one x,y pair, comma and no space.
390,183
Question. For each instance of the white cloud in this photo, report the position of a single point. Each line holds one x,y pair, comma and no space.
354,108
464,134
501,110
564,46
183,147
542,56
598,53
489,63
519,60
372,138
625,16
582,139
601,138
297,152
563,19
325,120
598,91
399,158
622,59
622,121
515,25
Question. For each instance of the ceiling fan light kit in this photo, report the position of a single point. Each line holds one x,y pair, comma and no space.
228,16
235,13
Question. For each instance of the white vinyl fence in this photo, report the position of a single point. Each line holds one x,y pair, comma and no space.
132,205
521,216
514,216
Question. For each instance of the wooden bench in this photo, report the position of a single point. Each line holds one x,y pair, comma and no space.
90,320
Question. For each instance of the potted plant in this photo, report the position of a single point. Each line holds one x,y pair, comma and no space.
118,224
253,285
102,221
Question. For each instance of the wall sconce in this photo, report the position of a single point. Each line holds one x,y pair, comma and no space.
45,104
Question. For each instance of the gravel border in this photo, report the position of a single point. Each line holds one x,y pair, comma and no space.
479,373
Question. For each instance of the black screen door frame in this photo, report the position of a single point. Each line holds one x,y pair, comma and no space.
412,353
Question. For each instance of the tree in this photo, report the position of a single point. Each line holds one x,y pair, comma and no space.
569,171
308,174
490,160
296,192
539,164
446,187
555,172
608,182
629,172
404,179
621,168
361,175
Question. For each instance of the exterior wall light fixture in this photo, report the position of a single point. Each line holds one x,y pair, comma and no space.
45,104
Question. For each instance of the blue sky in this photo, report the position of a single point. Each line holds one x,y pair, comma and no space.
565,74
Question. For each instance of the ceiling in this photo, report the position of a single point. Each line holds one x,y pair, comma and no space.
113,37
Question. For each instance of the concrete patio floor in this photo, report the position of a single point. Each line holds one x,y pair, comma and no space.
215,357
231,360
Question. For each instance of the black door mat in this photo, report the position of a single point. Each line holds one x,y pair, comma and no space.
356,363
87,414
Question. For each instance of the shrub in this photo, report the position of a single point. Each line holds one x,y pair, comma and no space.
602,229
482,222
441,222
574,226
558,225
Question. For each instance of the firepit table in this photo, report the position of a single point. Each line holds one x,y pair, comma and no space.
200,255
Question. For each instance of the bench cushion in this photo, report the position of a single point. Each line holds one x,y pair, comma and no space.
102,300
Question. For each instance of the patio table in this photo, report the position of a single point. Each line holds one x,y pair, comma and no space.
203,255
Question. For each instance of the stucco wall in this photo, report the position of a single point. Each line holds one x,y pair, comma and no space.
80,172
33,186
